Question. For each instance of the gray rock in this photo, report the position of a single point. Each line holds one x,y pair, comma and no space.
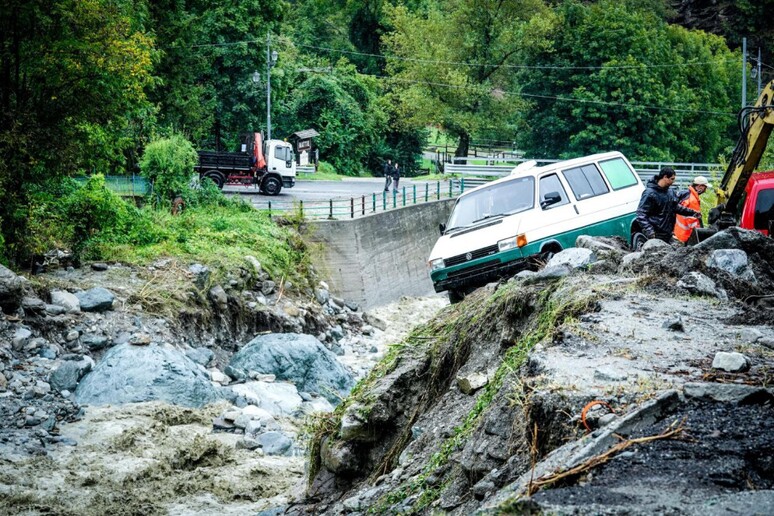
699,284
374,321
600,244
297,358
338,456
629,260
96,299
247,443
55,309
99,266
201,275
525,274
483,488
553,272
33,304
674,324
321,295
130,374
352,305
202,356
731,362
766,341
468,384
720,240
575,257
732,261
267,288
66,300
749,335
67,375
275,443
218,296
655,245
11,290
278,399
20,338
728,392
94,342
50,352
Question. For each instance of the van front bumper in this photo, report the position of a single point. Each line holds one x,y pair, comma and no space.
288,181
481,273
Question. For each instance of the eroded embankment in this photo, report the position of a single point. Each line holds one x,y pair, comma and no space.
479,408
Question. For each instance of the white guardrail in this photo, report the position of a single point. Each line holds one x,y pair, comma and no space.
499,167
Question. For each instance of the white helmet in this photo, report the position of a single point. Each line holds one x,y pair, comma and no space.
701,180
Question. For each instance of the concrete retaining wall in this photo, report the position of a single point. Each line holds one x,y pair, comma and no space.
376,259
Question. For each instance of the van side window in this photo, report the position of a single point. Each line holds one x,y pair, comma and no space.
585,181
552,185
618,173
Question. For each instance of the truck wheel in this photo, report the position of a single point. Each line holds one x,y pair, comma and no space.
271,185
217,178
638,240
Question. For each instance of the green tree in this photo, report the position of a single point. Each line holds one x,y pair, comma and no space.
343,107
607,76
72,95
209,51
453,64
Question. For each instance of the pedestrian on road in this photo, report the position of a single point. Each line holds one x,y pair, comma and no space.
684,226
387,168
659,206
396,176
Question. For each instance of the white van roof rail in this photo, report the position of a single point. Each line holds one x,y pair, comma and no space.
523,167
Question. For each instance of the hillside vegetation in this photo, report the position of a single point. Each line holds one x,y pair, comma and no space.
88,86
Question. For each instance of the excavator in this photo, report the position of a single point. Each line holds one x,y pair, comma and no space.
745,198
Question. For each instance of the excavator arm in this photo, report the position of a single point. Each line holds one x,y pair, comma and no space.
755,124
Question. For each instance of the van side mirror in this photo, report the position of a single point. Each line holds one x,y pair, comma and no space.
442,228
550,198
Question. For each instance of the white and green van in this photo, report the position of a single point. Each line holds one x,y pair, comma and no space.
503,227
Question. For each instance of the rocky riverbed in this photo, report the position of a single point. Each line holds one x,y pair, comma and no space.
112,403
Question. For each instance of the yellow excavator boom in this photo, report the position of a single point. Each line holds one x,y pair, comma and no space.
755,124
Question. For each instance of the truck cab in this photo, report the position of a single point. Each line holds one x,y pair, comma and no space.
758,203
281,160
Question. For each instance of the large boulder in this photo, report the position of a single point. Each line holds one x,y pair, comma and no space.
575,257
11,290
732,261
96,299
130,374
278,399
69,302
297,358
67,375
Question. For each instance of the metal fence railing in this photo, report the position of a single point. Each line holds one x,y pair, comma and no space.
354,207
125,186
500,167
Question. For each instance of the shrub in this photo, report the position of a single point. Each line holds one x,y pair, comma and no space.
168,163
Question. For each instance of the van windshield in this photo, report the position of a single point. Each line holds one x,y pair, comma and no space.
492,201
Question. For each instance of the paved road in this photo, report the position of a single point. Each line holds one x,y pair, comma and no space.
325,190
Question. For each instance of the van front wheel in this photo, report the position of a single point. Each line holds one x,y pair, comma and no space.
455,296
638,240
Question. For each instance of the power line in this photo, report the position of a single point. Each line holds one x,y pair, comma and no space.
486,65
560,99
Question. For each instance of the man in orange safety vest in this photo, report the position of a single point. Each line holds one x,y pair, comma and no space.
684,226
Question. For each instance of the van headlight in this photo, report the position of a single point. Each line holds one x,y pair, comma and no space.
507,244
436,264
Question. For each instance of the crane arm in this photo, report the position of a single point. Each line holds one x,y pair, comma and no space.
755,124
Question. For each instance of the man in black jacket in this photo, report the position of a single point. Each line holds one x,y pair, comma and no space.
659,207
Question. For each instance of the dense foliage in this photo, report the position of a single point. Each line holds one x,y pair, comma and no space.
85,86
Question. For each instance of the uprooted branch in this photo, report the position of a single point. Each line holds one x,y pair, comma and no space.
673,431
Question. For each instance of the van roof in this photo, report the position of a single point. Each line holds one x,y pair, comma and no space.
551,166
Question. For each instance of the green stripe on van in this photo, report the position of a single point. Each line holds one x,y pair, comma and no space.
619,226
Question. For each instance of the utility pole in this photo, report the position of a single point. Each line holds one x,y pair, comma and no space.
744,72
268,86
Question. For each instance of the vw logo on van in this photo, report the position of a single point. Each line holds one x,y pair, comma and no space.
468,256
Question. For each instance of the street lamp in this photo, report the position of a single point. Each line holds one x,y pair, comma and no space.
271,60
